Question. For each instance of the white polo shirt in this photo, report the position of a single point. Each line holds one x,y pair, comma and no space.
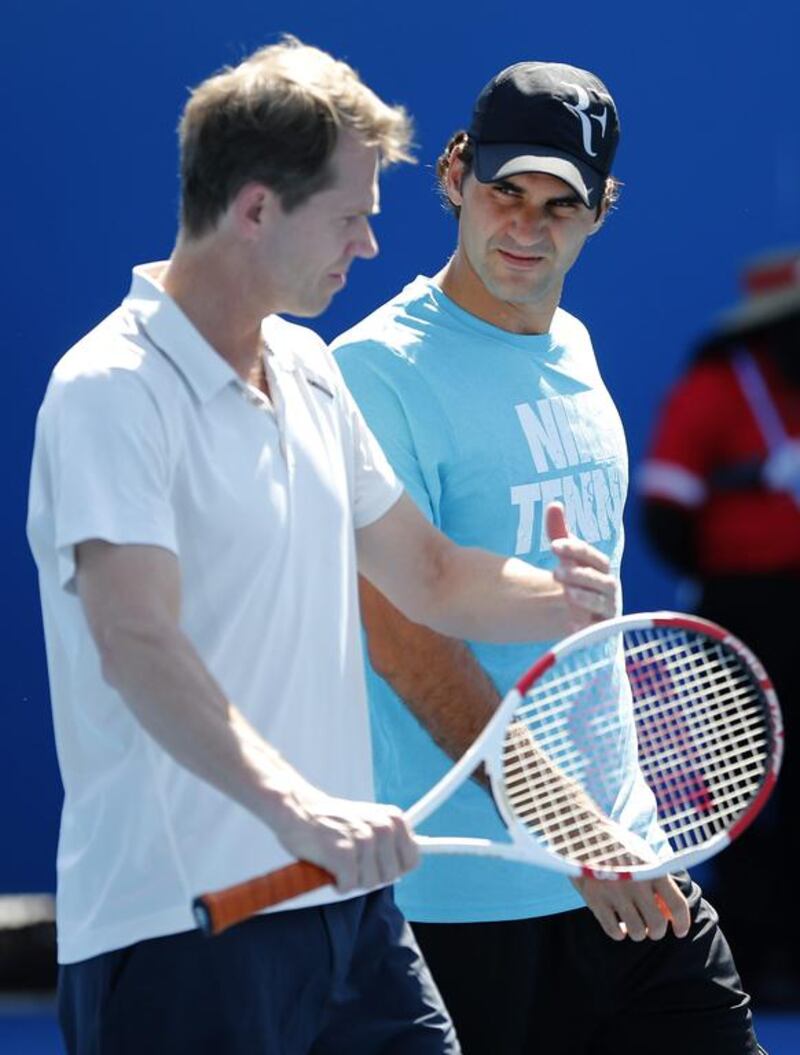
147,436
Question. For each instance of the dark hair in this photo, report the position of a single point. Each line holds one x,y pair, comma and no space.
460,145
275,119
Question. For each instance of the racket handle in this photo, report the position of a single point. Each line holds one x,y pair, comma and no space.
220,909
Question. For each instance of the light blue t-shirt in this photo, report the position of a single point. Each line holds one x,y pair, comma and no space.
485,428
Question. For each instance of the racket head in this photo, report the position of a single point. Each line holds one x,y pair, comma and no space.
670,700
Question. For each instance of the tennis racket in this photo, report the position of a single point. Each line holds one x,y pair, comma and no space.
659,708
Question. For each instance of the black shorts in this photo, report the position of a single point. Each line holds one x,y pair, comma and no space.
335,980
559,984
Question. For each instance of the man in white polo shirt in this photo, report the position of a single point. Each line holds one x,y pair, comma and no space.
203,492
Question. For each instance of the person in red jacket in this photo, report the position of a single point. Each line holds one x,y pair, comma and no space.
721,495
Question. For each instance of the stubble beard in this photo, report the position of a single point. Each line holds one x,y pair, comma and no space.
532,292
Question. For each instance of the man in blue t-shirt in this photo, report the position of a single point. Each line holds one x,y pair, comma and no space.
487,399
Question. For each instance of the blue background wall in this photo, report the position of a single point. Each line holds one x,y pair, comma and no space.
91,93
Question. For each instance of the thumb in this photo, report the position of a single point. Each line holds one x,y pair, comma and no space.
556,521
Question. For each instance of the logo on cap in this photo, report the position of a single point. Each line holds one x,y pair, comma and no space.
585,118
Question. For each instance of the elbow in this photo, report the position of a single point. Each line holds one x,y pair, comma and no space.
122,646
109,649
431,602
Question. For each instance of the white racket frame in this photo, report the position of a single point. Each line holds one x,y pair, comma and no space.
488,749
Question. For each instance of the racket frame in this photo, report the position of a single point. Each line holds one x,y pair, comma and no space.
218,910
487,749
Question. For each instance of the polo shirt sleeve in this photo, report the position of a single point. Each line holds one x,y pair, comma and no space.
109,467
385,415
376,487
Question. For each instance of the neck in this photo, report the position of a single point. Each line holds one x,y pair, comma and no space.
459,280
211,289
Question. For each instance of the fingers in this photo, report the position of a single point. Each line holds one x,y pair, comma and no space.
363,845
649,920
574,551
578,577
589,589
602,909
568,548
637,910
621,914
589,593
555,521
389,852
673,905
591,604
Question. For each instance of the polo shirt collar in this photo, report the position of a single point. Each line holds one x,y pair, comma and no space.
166,326
279,355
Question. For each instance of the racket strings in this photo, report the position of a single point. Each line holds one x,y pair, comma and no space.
563,688
556,809
566,713
706,754
702,742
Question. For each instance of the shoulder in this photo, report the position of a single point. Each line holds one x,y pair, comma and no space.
109,366
393,335
568,330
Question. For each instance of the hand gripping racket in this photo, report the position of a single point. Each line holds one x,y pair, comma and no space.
660,708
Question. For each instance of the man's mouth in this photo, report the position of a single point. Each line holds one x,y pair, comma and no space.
521,260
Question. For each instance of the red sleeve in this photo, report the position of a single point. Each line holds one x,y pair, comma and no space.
691,435
697,416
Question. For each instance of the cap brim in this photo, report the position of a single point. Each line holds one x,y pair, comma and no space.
759,311
494,161
748,320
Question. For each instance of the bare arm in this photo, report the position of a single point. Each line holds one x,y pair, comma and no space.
470,593
437,677
131,597
451,695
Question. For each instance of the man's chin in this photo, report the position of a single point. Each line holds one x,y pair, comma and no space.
308,310
517,290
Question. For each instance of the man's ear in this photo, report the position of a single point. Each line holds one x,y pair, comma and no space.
455,179
253,206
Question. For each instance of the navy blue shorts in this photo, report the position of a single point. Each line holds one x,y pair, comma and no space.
560,984
341,979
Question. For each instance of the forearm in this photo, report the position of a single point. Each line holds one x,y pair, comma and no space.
167,687
485,597
437,677
131,598
476,595
163,681
479,596
447,690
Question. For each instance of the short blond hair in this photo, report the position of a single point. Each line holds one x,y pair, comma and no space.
275,119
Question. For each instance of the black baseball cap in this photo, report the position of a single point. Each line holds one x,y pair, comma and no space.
546,117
